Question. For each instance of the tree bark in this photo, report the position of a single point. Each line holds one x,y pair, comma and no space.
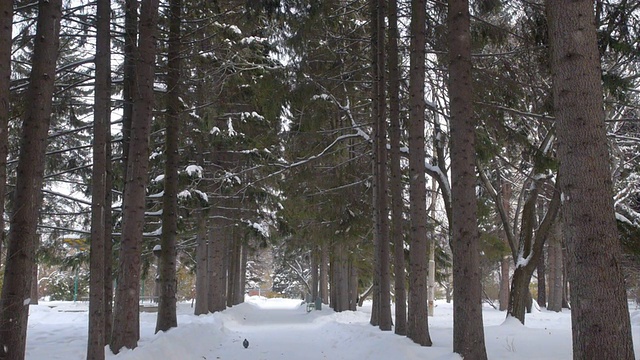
167,317
468,330
599,311
101,126
217,272
382,274
395,184
126,326
202,285
542,284
353,286
418,328
16,285
555,269
504,283
314,273
6,25
324,273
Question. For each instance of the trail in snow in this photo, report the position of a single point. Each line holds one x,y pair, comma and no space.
282,329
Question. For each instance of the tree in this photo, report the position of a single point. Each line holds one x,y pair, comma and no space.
395,182
6,19
418,329
126,324
599,311
468,330
167,317
101,128
382,294
16,286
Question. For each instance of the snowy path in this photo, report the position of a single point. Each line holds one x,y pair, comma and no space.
281,329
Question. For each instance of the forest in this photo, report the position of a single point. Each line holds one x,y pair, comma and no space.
479,151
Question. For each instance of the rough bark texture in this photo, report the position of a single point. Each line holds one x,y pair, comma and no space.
16,286
101,125
108,248
202,285
217,272
555,269
126,324
418,329
504,283
167,317
129,83
314,274
395,184
383,278
599,311
468,330
324,273
6,21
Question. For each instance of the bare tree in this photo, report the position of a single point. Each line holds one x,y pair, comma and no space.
599,311
16,287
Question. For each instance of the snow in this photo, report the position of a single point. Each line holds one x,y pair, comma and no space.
194,171
282,329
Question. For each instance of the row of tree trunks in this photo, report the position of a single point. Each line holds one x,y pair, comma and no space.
20,260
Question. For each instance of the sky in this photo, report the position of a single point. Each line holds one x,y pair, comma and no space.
283,329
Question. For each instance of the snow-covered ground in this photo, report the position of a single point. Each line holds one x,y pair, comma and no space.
282,329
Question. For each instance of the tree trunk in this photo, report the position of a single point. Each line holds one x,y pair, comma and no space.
242,279
16,285
167,317
108,245
314,273
34,282
395,184
126,315
129,83
353,286
324,273
101,126
555,269
216,269
542,284
599,311
202,283
418,328
468,330
6,25
382,292
231,270
504,283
